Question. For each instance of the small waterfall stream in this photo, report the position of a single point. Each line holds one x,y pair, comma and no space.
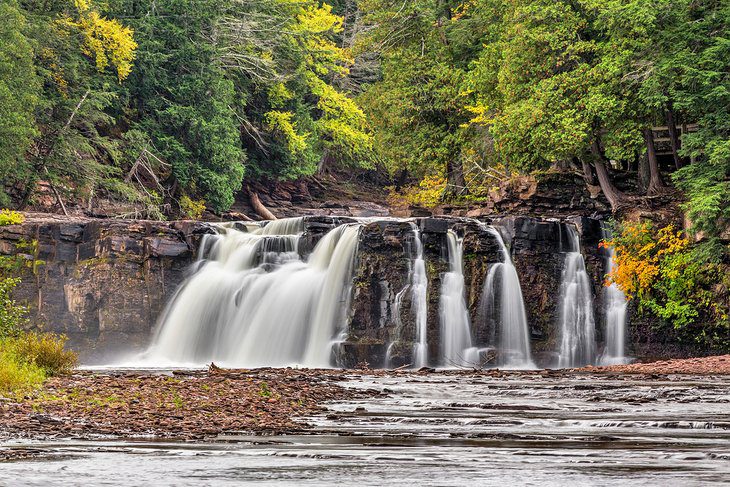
419,300
616,323
254,301
577,324
417,287
514,342
456,339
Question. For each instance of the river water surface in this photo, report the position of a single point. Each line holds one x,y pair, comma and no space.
440,429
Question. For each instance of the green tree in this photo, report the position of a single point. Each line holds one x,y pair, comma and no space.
19,94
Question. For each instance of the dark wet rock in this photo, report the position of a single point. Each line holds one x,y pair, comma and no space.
433,225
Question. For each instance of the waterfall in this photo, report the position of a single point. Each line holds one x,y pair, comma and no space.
514,341
254,301
456,341
616,324
419,300
418,287
577,325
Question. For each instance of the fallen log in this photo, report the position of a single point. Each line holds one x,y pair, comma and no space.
259,207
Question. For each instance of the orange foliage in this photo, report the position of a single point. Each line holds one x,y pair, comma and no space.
639,254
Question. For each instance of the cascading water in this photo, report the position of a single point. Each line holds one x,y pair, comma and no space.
616,323
253,301
418,287
419,300
456,340
514,337
577,325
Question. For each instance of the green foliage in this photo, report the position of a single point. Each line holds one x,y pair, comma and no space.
12,314
427,194
107,41
264,390
147,101
27,358
9,217
44,350
17,375
190,208
698,84
19,93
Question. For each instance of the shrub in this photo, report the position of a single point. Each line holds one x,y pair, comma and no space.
192,209
18,376
12,314
27,358
44,350
9,217
427,194
673,280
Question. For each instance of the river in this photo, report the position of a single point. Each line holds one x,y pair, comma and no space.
438,429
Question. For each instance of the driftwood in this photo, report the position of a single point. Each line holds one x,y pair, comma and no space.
236,216
259,207
402,367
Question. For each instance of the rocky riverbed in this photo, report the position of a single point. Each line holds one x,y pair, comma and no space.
184,405
200,404
361,427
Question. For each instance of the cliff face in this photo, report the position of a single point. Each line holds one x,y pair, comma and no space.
101,282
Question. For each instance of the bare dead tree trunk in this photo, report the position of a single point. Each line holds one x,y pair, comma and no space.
55,192
656,185
615,197
259,207
325,163
674,137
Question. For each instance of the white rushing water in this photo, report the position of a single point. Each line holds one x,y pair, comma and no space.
514,336
419,300
417,287
255,302
577,324
456,340
616,322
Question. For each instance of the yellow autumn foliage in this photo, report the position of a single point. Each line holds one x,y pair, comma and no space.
639,254
106,41
427,194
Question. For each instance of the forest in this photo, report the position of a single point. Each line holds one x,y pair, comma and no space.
178,105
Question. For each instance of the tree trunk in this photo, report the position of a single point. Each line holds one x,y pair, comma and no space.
259,207
642,174
674,137
588,175
325,163
656,185
455,183
614,196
